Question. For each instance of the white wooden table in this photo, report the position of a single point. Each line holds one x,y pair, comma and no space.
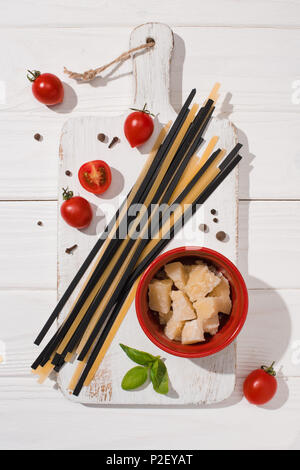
253,49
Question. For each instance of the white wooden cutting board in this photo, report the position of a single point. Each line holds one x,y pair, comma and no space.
196,381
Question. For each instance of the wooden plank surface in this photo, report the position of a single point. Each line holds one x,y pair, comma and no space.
244,53
32,264
271,332
24,404
266,13
55,423
270,309
260,104
27,258
269,252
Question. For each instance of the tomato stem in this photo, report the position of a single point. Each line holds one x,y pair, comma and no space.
144,110
34,75
269,370
67,194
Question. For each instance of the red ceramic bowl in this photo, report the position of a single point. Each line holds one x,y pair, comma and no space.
230,327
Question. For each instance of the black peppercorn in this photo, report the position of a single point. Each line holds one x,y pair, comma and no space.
203,228
221,236
101,137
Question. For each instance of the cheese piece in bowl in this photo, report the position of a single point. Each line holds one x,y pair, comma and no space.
160,295
164,317
211,325
222,293
173,329
182,307
192,332
206,307
177,273
201,281
188,299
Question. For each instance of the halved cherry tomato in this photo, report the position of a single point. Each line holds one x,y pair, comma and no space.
95,176
260,385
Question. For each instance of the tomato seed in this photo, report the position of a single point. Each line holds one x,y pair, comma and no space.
102,175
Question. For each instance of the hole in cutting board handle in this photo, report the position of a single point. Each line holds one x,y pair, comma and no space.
150,40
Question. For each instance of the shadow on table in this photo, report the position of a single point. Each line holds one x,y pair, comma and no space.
69,103
176,73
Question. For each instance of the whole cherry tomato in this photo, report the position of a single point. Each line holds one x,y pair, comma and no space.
138,126
95,176
260,386
76,210
46,87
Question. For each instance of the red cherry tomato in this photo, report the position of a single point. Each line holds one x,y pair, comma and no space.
95,176
76,211
260,386
46,87
138,127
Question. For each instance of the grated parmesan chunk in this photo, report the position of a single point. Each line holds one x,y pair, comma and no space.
192,332
211,325
177,273
222,293
206,307
201,281
159,295
164,317
181,306
173,329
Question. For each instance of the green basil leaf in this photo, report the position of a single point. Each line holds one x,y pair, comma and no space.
159,377
140,357
134,378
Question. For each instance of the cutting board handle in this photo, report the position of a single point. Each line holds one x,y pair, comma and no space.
151,68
